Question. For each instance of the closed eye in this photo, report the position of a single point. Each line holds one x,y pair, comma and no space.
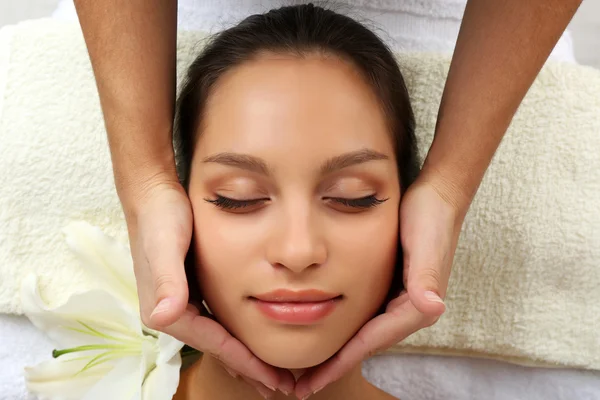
353,205
227,203
359,203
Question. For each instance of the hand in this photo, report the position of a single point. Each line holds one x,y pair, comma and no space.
429,230
160,230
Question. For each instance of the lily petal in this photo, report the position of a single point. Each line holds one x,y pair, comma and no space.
106,351
162,382
123,382
62,379
169,347
93,317
107,260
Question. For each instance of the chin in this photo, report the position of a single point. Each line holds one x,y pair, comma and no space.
293,359
284,346
295,348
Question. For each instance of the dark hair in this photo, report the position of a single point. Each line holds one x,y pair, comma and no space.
299,30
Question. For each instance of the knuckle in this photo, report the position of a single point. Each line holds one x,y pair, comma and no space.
221,349
432,276
163,283
364,344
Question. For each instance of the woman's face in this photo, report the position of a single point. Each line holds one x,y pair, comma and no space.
295,193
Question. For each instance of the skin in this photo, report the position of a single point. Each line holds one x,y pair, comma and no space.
500,49
295,116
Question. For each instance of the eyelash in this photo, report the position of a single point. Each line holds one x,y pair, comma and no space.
227,203
231,204
362,202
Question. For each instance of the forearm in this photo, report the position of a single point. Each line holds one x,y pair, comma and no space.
132,48
501,48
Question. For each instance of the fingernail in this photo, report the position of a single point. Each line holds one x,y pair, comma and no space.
286,390
431,296
230,372
263,392
161,307
270,387
307,396
318,390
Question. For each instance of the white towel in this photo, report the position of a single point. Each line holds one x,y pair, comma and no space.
526,274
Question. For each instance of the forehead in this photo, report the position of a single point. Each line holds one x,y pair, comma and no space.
293,102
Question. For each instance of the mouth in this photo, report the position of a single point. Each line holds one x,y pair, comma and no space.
303,307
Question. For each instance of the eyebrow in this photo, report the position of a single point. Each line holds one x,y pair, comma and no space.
350,159
255,164
242,161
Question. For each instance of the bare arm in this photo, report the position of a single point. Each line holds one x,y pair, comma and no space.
132,47
501,48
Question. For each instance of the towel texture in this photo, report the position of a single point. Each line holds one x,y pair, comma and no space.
526,277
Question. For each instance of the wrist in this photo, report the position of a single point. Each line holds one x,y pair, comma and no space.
136,185
450,183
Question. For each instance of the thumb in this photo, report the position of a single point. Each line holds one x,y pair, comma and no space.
170,292
164,234
428,236
424,287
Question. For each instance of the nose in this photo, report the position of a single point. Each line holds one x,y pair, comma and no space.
298,242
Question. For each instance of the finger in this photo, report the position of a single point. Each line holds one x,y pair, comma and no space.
231,372
162,273
210,337
399,301
260,388
170,288
236,375
162,291
381,332
162,234
429,234
423,280
425,286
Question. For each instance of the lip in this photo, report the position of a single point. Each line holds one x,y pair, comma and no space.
302,307
296,296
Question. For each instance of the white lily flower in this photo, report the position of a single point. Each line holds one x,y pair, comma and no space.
105,352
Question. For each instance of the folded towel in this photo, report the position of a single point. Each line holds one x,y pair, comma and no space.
526,274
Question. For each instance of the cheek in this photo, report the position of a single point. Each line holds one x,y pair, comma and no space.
225,253
369,258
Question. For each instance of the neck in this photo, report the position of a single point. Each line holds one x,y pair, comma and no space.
207,379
